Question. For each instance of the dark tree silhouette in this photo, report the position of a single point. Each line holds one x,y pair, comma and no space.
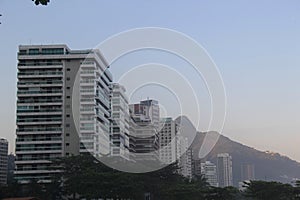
42,2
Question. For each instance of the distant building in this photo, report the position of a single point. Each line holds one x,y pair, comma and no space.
144,124
184,156
10,168
224,165
120,121
196,167
242,185
3,161
247,172
209,170
167,140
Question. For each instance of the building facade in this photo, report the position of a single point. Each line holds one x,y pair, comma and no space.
209,171
224,165
3,161
120,121
62,107
167,140
196,167
144,124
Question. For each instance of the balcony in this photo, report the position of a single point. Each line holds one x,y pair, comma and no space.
24,93
39,74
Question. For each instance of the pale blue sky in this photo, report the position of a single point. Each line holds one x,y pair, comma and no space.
255,44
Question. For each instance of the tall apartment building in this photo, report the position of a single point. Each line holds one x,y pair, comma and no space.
209,170
184,155
167,140
62,107
224,164
144,124
185,163
120,121
3,161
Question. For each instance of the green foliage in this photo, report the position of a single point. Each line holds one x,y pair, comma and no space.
262,190
42,2
84,177
297,190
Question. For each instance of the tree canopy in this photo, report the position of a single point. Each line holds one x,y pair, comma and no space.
84,177
42,2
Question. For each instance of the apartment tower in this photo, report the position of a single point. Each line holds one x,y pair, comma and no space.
62,107
224,164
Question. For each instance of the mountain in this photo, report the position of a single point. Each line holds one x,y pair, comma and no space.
268,166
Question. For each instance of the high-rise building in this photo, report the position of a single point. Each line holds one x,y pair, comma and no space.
247,172
196,167
146,111
3,161
184,156
224,165
209,170
167,140
62,107
144,124
120,121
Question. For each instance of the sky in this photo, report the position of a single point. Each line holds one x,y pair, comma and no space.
255,45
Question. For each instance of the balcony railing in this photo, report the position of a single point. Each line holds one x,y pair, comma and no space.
39,92
39,73
38,129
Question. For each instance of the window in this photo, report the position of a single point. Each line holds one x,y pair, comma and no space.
68,88
67,125
68,97
52,51
68,69
68,78
67,115
33,51
67,144
22,52
67,134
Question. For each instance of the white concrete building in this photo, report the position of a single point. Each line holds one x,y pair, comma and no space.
224,164
184,156
167,140
120,121
209,170
144,124
62,107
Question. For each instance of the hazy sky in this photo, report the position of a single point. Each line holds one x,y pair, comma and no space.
255,44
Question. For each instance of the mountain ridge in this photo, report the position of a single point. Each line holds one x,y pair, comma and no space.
268,166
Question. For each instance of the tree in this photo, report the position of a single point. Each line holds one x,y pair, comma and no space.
227,193
42,2
297,190
262,190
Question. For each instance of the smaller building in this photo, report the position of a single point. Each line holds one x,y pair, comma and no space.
167,140
144,124
120,121
243,185
209,170
3,161
224,164
247,172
